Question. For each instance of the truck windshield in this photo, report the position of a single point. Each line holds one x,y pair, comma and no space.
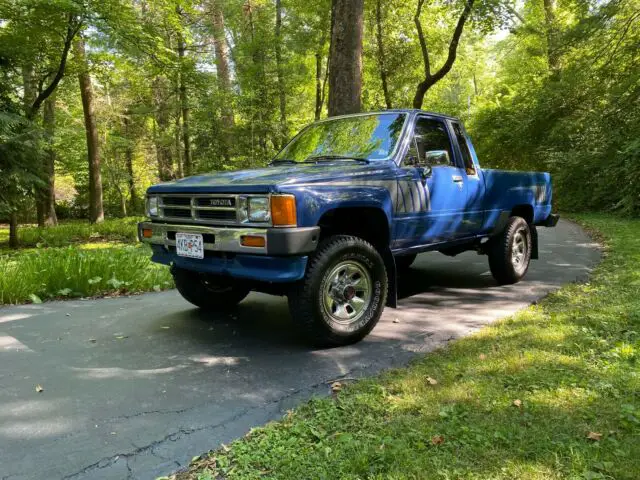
361,137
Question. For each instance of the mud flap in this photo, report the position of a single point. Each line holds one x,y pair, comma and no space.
534,242
392,277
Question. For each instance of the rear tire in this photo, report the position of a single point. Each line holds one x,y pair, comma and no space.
510,252
343,292
208,291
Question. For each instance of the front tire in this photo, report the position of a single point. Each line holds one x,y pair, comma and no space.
208,291
510,252
343,293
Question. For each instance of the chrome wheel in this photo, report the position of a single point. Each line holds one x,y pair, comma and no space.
346,292
519,248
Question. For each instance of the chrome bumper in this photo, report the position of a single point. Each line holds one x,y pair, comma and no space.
278,241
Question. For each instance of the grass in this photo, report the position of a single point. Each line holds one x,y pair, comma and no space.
78,260
74,232
550,393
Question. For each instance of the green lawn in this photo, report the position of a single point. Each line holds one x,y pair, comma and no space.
552,392
76,259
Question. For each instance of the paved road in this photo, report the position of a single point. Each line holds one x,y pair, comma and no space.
134,387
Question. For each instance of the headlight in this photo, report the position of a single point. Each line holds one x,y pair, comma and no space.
255,209
259,210
152,206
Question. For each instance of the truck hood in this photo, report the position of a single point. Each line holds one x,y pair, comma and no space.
264,180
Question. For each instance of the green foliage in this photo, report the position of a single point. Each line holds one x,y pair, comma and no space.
79,271
76,259
581,122
549,393
539,90
78,232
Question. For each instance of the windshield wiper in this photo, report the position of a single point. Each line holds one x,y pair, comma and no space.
331,158
281,160
287,161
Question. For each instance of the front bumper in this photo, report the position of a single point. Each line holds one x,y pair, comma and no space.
278,241
282,259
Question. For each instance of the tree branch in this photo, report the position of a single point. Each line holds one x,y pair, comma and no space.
73,27
429,79
453,45
423,42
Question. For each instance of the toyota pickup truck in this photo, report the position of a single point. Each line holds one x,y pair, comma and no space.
342,210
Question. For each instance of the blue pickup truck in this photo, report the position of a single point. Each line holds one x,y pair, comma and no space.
347,204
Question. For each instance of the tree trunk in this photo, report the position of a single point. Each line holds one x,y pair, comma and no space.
224,77
29,95
319,99
279,68
177,128
161,135
260,83
382,63
184,103
13,230
128,158
222,63
49,197
345,62
96,211
553,58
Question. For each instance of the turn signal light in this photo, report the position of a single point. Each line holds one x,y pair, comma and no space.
147,233
283,210
252,241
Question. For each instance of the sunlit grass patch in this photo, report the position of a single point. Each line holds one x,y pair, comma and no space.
74,232
549,393
39,274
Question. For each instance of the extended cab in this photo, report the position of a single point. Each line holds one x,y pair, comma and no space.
339,211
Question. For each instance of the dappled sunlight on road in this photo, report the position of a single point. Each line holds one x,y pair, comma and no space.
122,373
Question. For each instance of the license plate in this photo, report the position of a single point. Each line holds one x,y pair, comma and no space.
190,245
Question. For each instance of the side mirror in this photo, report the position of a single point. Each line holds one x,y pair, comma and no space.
437,158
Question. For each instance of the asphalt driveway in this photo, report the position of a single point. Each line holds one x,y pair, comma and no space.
135,387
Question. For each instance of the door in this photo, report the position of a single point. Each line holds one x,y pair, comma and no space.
473,215
433,176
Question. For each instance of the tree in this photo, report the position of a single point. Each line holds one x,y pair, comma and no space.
430,79
184,107
96,209
223,75
282,93
48,199
345,62
382,63
35,37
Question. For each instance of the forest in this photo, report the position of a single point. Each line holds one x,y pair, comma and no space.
101,99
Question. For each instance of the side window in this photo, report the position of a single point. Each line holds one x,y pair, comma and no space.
464,149
431,134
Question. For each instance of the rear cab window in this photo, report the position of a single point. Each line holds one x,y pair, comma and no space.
467,159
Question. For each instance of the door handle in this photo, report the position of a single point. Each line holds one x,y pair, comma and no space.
456,179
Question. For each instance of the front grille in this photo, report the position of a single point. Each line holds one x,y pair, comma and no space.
198,208
177,201
177,212
228,215
227,202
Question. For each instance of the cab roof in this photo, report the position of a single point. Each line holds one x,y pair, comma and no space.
409,111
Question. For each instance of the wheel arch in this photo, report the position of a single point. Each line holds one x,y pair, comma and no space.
525,211
370,223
